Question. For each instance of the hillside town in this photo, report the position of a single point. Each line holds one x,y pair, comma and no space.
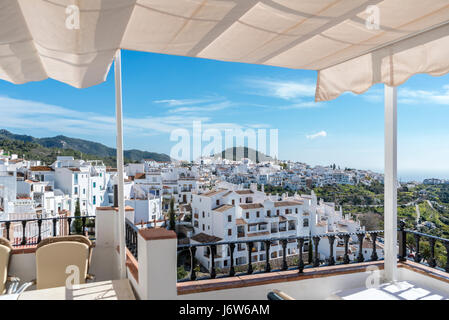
214,200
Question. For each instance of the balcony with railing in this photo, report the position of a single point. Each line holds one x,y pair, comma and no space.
411,39
322,276
254,266
266,244
30,232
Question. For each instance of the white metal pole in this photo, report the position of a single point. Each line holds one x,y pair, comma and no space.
390,181
120,164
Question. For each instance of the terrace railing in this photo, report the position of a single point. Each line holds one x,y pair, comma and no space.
301,264
414,251
131,232
23,232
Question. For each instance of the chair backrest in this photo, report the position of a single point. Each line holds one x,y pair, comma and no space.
56,257
5,258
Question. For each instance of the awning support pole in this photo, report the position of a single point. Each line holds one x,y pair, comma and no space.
120,163
390,183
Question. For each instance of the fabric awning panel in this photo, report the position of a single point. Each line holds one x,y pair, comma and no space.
325,35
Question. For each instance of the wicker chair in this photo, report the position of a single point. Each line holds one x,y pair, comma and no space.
55,255
5,260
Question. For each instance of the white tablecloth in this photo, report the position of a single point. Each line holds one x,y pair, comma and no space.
103,290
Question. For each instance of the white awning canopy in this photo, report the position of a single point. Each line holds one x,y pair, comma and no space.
39,39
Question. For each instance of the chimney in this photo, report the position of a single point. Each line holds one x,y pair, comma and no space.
115,195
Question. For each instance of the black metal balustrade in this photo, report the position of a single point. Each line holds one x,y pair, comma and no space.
413,251
24,232
131,232
267,244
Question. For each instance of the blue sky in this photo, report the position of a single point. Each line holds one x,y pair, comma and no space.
162,93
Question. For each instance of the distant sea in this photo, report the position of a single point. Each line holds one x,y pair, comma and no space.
416,175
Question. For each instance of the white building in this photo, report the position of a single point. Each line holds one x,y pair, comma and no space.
230,213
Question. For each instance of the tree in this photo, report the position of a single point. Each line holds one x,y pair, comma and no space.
171,214
78,224
181,273
310,250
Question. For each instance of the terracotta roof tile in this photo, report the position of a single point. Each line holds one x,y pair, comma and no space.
205,238
251,205
240,221
244,192
223,208
139,176
287,203
41,168
212,193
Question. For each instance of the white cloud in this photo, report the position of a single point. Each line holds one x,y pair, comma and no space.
317,135
202,108
286,90
53,120
24,114
183,102
199,106
411,96
301,105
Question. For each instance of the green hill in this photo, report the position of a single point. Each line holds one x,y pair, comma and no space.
243,152
47,149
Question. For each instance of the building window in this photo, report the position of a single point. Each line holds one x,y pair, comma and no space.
268,213
305,223
204,227
218,202
76,190
277,212
229,232
204,215
95,184
233,202
296,210
257,214
94,199
247,215
84,190
229,218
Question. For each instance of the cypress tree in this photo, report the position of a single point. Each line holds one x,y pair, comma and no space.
78,224
310,251
172,214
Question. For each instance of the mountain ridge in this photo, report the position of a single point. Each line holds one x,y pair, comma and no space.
245,152
87,147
